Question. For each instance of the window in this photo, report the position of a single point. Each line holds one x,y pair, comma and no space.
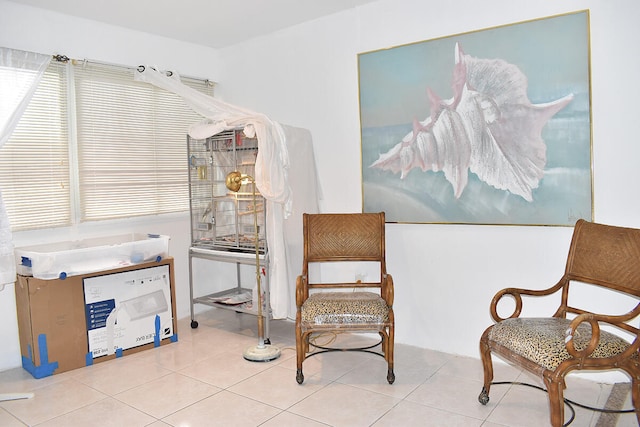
93,145
34,162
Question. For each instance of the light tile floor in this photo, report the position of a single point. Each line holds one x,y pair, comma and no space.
202,380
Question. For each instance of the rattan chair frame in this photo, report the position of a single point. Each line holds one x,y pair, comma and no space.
344,237
602,255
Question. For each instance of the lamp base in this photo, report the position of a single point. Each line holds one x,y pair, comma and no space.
261,353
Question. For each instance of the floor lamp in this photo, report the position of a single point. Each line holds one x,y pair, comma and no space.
261,352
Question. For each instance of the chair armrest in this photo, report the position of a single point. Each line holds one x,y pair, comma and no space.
387,291
517,293
595,320
302,291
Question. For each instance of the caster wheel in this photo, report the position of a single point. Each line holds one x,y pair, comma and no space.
299,376
391,377
194,324
484,396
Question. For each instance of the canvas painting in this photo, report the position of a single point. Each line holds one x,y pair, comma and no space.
486,127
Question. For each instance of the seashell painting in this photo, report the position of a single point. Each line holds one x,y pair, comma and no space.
489,127
483,151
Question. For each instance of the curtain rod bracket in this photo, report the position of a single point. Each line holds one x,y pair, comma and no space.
141,69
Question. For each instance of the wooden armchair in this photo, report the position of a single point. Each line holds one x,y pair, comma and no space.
573,338
345,306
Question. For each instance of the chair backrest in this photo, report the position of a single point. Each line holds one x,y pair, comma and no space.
605,255
344,237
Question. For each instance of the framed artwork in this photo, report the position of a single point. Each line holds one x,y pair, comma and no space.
485,127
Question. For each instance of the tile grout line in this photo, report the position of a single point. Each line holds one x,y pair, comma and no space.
616,399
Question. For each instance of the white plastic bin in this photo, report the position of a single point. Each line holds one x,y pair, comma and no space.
61,259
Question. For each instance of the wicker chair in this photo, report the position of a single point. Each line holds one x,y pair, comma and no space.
344,306
574,338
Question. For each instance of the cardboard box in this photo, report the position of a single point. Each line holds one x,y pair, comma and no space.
66,324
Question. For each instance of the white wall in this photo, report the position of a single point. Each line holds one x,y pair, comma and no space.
306,76
445,275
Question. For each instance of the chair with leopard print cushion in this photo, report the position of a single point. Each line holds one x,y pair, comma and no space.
344,306
574,338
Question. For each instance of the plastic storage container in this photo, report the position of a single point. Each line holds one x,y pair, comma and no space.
61,259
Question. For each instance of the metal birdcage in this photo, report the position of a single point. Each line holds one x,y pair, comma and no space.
223,222
222,219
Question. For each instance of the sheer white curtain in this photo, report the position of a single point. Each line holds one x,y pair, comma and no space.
272,163
20,73
274,177
271,168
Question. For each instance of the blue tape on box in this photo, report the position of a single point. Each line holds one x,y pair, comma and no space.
45,369
156,338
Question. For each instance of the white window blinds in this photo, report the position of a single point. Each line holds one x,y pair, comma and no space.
34,162
94,145
132,155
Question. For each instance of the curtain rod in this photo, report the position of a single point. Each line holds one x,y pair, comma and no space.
140,68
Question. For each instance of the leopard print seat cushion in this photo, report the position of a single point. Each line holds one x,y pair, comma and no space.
344,308
542,340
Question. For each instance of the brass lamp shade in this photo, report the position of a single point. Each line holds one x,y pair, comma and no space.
233,181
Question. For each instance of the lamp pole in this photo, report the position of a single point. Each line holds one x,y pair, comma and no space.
262,352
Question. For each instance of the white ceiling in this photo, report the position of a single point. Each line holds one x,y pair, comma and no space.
214,23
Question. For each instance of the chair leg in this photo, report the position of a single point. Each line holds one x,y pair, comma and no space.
487,365
635,396
555,389
387,348
300,354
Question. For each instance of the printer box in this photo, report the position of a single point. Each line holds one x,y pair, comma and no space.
85,319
